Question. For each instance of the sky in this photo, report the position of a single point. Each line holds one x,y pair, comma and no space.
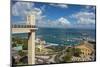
55,15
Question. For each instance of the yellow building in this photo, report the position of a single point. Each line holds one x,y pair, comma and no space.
86,49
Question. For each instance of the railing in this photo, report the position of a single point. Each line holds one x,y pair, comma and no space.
23,26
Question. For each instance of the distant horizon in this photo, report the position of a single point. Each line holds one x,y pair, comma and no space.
66,28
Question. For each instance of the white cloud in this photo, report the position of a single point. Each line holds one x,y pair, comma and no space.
84,17
43,7
60,5
39,11
90,7
21,8
59,23
39,15
63,21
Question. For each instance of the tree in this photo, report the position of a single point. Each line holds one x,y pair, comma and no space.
25,44
14,45
77,52
74,51
69,49
21,53
67,57
20,41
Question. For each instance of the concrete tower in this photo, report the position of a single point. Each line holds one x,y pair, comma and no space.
31,38
31,18
30,29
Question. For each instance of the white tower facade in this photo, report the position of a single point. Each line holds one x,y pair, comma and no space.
31,39
31,18
30,29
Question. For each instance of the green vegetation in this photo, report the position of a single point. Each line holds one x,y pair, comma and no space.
57,48
21,53
74,51
23,42
77,52
37,49
14,45
25,46
69,49
67,57
17,41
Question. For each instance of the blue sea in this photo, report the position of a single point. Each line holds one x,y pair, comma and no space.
62,35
